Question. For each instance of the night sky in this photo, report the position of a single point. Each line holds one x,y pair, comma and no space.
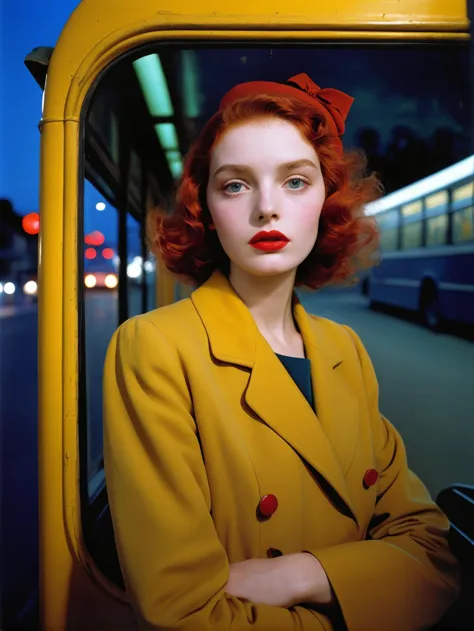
424,91
25,26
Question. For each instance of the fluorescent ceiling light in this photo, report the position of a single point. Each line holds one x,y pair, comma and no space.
153,83
189,83
166,133
173,155
430,184
176,167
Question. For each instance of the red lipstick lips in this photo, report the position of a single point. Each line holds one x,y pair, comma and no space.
269,241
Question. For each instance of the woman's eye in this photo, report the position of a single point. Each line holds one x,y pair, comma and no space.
296,183
233,187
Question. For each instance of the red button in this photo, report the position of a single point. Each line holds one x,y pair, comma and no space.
272,553
268,505
371,476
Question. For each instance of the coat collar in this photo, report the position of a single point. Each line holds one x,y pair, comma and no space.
326,441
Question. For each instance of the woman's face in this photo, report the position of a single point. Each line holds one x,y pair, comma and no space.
264,175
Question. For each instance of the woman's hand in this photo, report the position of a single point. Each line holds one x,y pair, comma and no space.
264,581
316,588
282,582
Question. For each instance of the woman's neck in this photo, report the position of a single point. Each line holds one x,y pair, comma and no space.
269,299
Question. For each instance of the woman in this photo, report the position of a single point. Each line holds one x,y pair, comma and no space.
253,482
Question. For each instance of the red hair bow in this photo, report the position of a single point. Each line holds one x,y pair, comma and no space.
336,102
332,104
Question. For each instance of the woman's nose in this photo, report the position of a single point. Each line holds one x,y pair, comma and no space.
267,206
267,214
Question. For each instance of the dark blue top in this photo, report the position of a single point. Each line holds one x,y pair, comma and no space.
299,369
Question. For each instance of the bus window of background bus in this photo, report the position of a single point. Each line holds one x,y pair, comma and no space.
437,220
412,229
462,206
389,228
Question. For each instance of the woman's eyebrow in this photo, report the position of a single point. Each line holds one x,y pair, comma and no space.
296,164
286,166
235,168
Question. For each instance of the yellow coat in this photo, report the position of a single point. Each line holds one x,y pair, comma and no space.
202,420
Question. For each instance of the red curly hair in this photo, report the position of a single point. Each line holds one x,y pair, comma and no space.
347,239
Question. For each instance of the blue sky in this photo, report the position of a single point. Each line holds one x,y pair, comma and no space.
31,23
37,24
25,25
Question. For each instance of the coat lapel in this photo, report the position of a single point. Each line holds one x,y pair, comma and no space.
323,441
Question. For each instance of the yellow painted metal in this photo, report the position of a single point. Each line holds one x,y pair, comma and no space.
98,32
55,557
70,338
70,450
68,579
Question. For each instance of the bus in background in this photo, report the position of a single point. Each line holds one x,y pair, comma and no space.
427,243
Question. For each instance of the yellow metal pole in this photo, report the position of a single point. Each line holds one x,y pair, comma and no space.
55,558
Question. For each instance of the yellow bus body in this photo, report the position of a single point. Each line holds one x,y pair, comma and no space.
73,593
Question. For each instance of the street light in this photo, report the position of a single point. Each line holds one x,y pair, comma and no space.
31,223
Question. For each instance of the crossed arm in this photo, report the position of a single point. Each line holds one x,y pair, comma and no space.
403,577
406,567
284,581
152,451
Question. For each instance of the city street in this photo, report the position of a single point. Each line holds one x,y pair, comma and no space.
18,455
426,391
426,385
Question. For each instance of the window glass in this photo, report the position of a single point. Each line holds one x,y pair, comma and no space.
463,196
411,210
388,224
134,267
389,240
437,230
437,203
463,225
150,106
412,235
150,268
100,282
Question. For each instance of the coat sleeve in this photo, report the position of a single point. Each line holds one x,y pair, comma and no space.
404,576
174,566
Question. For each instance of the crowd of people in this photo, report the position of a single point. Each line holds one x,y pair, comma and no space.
407,157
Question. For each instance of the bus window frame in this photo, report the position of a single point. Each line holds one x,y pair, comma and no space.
447,210
412,219
454,211
396,227
428,221
119,55
93,504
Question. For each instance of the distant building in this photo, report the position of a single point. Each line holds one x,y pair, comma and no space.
18,250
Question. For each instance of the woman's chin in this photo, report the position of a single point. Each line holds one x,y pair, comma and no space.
267,269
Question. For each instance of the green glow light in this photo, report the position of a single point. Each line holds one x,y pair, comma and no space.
166,133
175,163
190,84
173,155
153,83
